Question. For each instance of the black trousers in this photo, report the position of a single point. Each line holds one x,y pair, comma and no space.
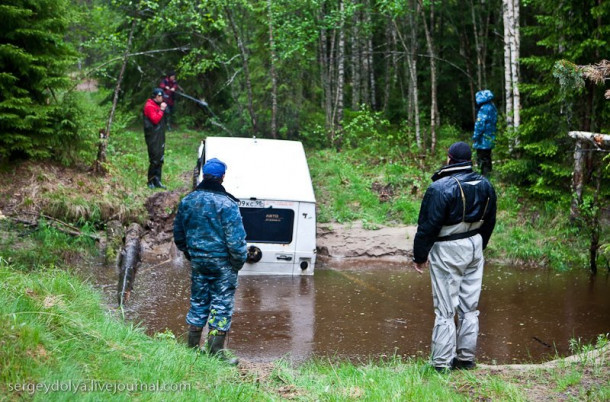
155,142
484,161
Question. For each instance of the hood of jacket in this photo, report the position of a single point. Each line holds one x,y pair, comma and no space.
483,96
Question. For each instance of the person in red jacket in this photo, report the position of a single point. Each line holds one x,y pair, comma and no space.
154,133
169,85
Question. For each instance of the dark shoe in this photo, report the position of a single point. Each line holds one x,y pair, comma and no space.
194,337
462,364
215,346
158,183
151,186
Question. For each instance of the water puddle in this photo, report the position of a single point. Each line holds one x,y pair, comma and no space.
372,310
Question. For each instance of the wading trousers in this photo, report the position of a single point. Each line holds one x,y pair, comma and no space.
456,271
155,143
213,285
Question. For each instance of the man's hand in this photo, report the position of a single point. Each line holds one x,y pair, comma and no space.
163,106
419,267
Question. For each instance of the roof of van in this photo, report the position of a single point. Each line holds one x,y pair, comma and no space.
263,169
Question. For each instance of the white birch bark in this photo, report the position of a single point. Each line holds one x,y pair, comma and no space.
508,91
514,65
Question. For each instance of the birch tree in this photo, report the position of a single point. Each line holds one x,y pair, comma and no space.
510,14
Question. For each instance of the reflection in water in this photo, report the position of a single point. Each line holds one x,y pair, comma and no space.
382,310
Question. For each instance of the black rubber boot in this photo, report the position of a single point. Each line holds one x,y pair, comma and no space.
463,364
216,347
194,336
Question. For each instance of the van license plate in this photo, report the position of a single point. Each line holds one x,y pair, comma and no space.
252,203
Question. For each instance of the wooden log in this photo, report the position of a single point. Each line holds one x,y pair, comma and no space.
599,140
128,262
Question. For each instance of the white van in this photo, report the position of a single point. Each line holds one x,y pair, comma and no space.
277,203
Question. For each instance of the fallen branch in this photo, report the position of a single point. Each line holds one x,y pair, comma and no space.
67,229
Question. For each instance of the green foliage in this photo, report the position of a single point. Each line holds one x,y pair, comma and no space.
569,76
25,254
555,97
35,119
355,185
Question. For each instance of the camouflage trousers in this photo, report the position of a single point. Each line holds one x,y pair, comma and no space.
213,285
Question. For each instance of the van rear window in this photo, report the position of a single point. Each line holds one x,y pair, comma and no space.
268,225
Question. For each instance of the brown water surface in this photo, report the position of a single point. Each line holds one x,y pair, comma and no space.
373,310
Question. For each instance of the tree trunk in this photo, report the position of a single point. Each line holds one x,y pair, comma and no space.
369,56
577,180
339,101
273,74
510,10
429,32
244,59
99,165
355,60
411,57
326,62
390,63
477,45
514,64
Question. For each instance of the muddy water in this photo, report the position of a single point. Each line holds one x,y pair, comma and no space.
365,311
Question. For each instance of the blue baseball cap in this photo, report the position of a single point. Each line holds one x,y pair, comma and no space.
214,167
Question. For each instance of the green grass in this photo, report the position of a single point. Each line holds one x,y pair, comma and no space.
343,182
55,330
57,333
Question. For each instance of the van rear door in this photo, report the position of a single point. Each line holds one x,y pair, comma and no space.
270,226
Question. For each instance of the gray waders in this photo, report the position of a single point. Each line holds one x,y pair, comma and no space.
456,272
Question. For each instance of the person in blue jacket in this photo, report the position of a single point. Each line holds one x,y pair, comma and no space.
208,228
484,136
456,220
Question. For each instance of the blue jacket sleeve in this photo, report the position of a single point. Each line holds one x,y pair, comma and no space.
179,232
235,235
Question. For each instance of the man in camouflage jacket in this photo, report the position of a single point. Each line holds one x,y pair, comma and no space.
209,230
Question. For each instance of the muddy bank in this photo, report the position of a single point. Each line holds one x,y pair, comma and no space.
347,242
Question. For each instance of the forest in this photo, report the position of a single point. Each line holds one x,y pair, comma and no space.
390,78
328,73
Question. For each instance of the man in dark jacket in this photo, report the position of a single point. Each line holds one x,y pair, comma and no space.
209,230
154,133
456,220
169,85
